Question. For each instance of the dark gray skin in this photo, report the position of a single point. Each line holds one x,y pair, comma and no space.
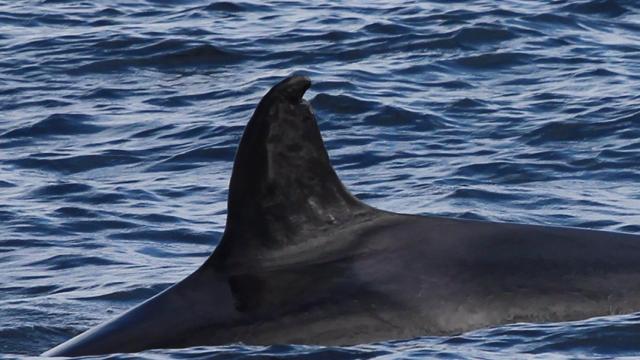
302,261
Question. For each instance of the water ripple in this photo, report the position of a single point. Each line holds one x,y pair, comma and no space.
56,124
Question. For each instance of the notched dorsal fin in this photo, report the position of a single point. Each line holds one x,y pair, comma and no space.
283,186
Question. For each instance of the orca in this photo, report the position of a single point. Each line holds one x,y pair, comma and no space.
302,261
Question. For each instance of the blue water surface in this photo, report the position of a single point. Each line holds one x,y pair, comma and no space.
119,121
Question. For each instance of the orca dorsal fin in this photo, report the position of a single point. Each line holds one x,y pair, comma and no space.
283,186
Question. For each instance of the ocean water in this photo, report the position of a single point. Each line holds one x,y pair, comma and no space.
119,121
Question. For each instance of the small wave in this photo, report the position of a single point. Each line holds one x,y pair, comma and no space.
606,338
342,104
172,101
103,22
37,44
14,292
46,103
195,158
608,8
224,6
161,47
553,19
157,218
94,226
10,18
598,224
392,116
574,130
235,7
186,100
74,164
109,12
201,55
182,192
6,184
457,15
71,211
120,42
468,103
509,173
326,85
478,35
97,197
493,60
360,161
395,117
544,155
451,84
107,93
48,2
63,189
591,73
386,28
634,229
62,262
58,19
31,339
56,124
154,131
484,195
21,243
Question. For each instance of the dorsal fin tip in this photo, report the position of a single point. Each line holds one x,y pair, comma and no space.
283,185
293,87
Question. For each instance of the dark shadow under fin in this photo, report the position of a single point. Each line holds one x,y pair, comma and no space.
283,186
